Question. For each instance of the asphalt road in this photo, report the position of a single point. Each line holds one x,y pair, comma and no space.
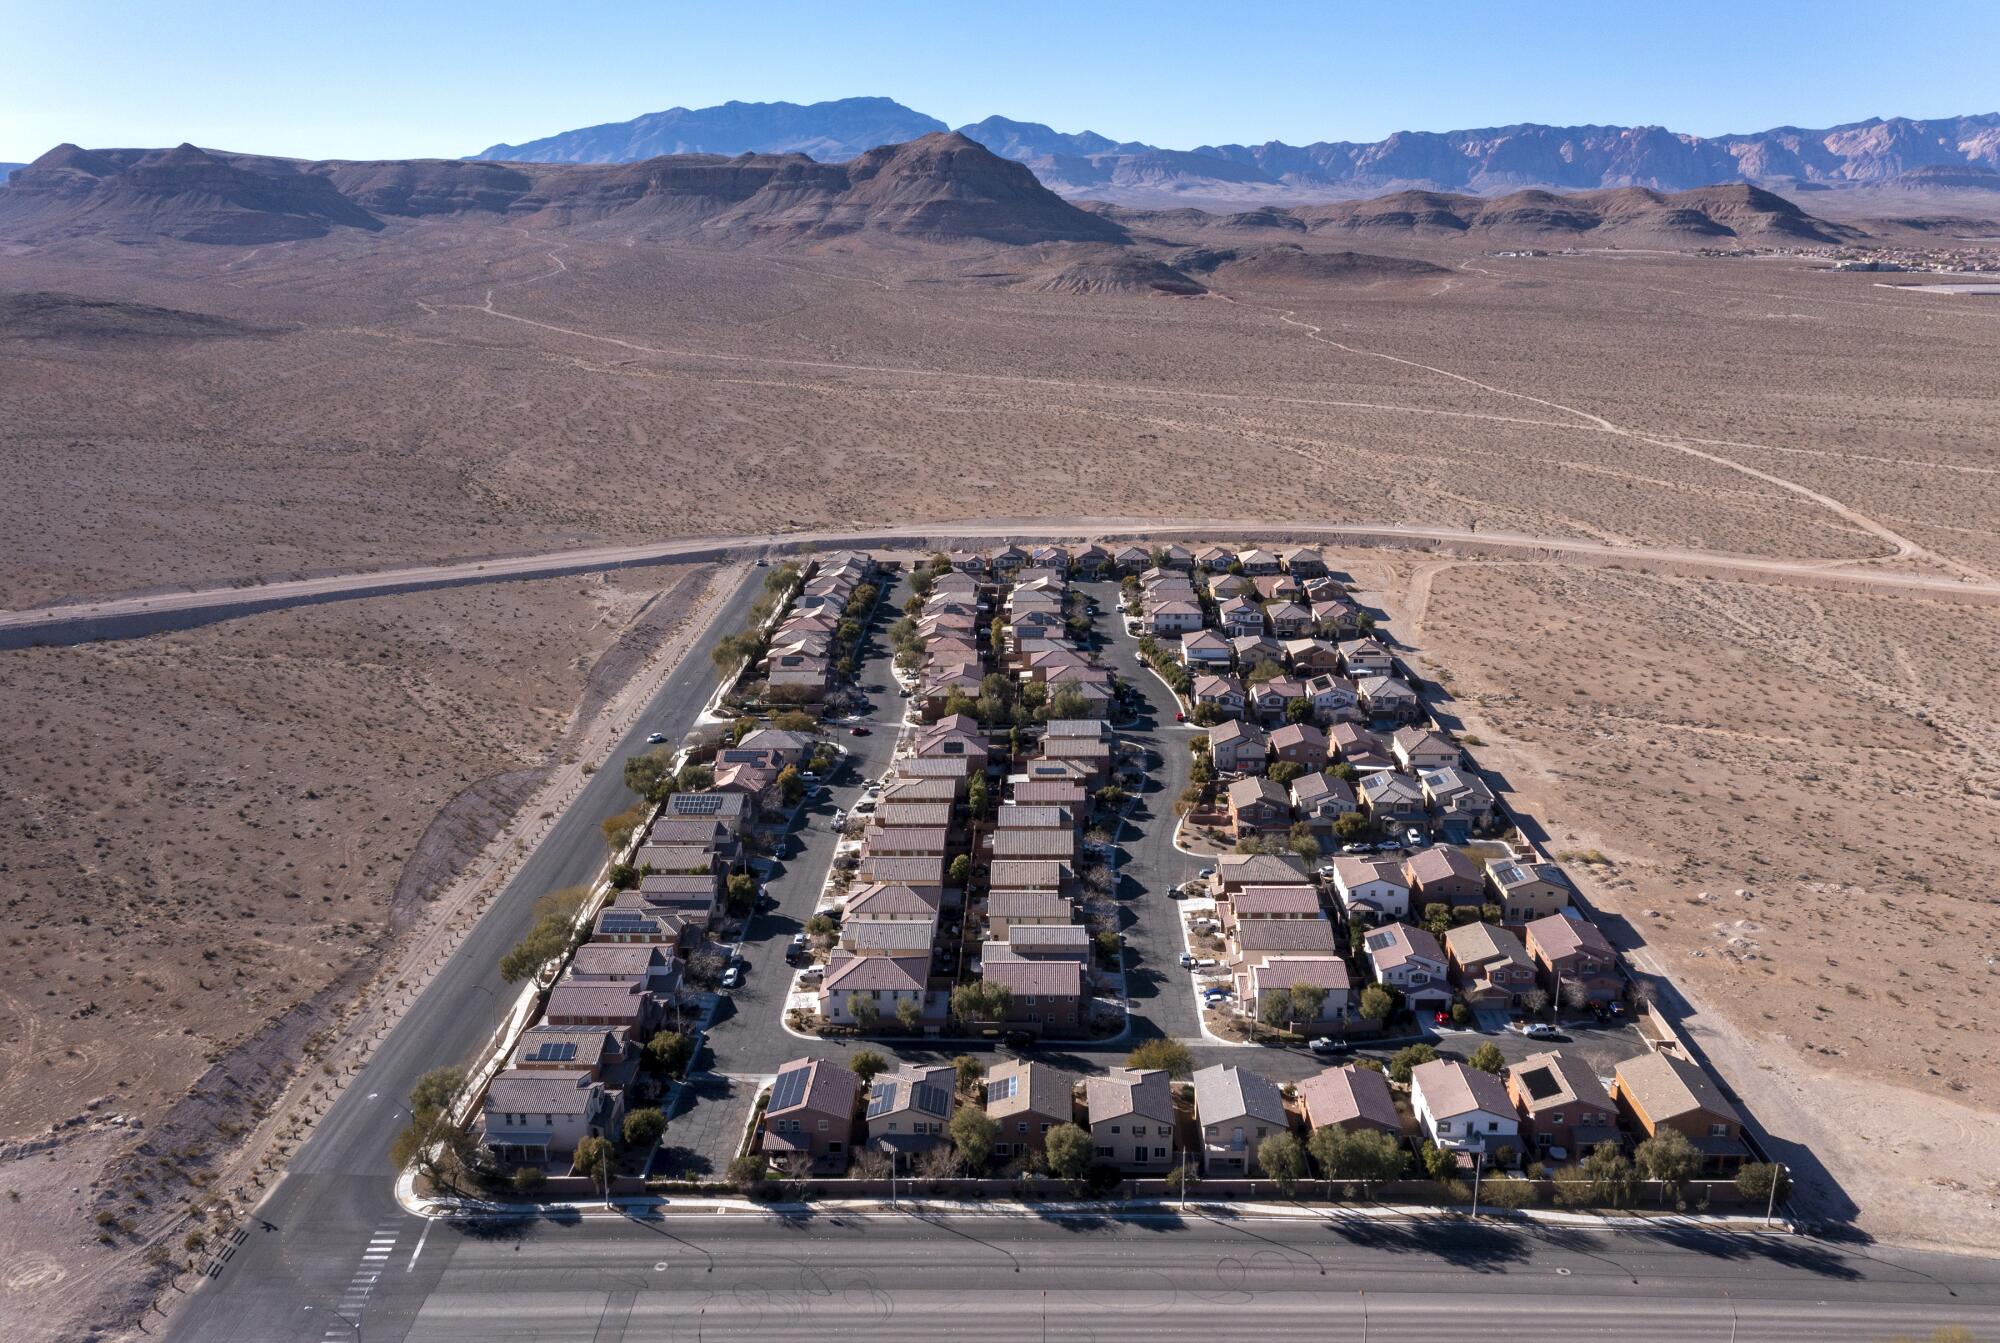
127,616
909,1276
316,1224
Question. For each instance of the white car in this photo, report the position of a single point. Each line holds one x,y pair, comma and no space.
732,977
656,738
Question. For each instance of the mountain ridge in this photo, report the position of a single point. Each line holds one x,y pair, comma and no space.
1482,161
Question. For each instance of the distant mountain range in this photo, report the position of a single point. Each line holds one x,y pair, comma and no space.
939,187
1481,162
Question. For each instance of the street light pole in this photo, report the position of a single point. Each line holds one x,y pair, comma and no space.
1779,1171
1478,1165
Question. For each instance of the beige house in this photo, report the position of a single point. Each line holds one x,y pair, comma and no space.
1026,1099
1131,1115
1236,1111
1350,1098
1527,891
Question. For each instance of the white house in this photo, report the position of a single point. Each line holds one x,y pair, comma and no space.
1410,960
1373,889
886,982
1462,1108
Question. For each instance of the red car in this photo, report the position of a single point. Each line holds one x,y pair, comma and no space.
857,731
1443,1018
1179,717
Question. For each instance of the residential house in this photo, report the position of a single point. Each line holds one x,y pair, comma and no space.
1042,942
1053,558
646,964
1258,939
1255,562
1275,588
629,919
924,874
1007,910
1372,889
597,1002
891,903
1304,562
1565,1111
1131,559
909,1110
1173,617
1224,693
1661,1091
1359,747
1237,747
1224,586
1311,658
1009,560
1491,966
953,736
1215,559
1388,699
1409,959
1300,744
1366,657
1574,958
1333,700
1252,650
1281,974
1463,1109
811,1112
1025,1100
1030,875
1257,805
1527,891
1236,1111
1393,802
882,983
1092,561
1131,1114
887,937
1461,804
791,748
1177,556
1236,871
1271,902
1206,648
1289,620
726,809
531,1116
1417,749
1356,1099
1442,875
610,1056
1240,616
1321,799
1046,996
1058,844
1336,617
1269,700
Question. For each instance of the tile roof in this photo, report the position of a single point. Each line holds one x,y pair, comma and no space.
1023,1086
1224,1093
828,1088
1039,979
1273,900
888,973
1666,1087
1561,935
1340,1095
548,1090
1127,1091
1545,1081
1450,1088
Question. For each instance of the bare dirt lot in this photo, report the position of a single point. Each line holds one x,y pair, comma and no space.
203,827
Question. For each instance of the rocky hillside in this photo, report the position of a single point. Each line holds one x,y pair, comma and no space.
938,188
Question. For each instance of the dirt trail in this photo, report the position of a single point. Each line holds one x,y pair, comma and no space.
1905,548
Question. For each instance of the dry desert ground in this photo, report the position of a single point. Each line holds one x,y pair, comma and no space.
206,829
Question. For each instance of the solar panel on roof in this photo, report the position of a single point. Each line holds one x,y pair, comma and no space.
554,1051
1541,1083
790,1088
1002,1089
883,1100
697,804
932,1100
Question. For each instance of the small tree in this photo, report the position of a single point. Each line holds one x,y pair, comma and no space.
1274,1008
1170,1056
1536,1001
669,1052
1440,1163
1069,1154
864,1011
1670,1158
1307,1000
1488,1059
1298,710
1375,1003
1603,1179
1509,1193
1350,827
1364,1156
1754,1182
1407,1058
867,1065
1283,1160
747,1172
975,796
973,1133
969,1070
909,1015
437,1089
593,1161
960,870
790,786
1285,771
742,894
644,1127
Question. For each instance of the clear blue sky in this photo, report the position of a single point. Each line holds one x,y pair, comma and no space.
360,78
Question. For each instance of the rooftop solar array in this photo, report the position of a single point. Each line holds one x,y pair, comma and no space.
1002,1089
1541,1083
790,1088
697,804
932,1100
554,1051
625,921
883,1100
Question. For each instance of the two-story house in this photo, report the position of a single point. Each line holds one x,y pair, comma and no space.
1410,960
1463,1109
1236,1111
1131,1113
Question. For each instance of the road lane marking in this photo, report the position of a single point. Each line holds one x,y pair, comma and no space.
420,1246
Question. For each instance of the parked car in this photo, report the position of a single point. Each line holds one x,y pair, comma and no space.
732,977
1208,872
1360,846
1179,717
1442,1018
1541,1030
1187,960
1017,1039
859,731
1326,1044
1415,838
656,738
